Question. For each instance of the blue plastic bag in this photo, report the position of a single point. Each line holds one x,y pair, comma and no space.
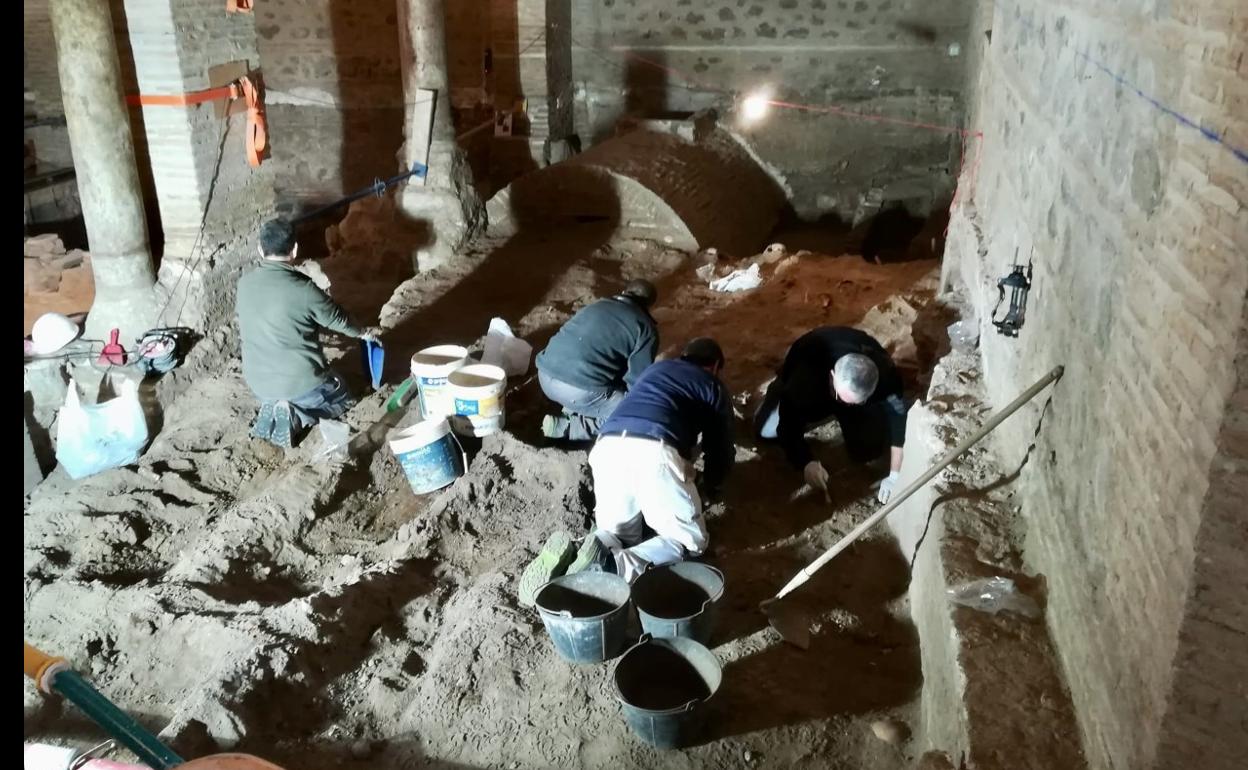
94,438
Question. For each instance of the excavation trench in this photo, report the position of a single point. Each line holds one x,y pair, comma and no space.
323,616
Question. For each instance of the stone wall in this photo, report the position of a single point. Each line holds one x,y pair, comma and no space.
170,47
899,58
42,80
336,91
335,94
993,691
1135,223
1204,724
467,38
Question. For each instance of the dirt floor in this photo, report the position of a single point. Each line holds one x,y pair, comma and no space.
322,616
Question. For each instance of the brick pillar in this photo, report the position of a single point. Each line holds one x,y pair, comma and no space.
182,46
533,61
108,179
444,204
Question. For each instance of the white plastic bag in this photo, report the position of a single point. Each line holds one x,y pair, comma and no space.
94,438
335,436
503,348
993,595
739,280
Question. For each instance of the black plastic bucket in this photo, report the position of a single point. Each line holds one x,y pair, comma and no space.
678,600
662,685
586,615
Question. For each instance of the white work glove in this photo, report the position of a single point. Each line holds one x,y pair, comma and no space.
816,475
887,485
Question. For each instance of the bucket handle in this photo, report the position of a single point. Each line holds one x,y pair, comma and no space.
463,454
645,637
711,599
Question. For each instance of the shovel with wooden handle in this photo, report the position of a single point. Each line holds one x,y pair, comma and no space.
53,675
795,629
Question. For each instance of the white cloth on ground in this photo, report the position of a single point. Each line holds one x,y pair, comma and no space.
639,480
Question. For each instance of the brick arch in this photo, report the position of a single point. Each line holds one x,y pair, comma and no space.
701,193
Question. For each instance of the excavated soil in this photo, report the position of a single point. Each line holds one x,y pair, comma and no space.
319,614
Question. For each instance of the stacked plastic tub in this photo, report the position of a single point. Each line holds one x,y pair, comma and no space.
430,455
454,394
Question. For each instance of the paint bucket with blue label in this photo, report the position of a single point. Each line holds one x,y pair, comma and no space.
429,453
430,368
477,391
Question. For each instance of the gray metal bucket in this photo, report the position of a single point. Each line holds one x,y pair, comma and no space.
662,685
586,615
679,600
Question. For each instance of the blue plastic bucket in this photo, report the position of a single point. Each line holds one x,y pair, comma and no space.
586,615
429,453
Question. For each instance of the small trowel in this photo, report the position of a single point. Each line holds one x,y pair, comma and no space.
805,490
374,356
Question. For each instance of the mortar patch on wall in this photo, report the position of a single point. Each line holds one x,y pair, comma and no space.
1146,177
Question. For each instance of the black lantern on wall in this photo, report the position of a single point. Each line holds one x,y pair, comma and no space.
1017,283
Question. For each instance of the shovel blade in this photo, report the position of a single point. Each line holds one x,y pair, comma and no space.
793,626
229,762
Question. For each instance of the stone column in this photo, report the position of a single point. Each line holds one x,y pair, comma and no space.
445,204
108,179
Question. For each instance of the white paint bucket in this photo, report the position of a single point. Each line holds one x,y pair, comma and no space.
430,368
431,457
478,391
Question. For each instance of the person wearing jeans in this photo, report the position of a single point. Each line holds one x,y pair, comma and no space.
595,358
642,465
281,421
281,313
584,408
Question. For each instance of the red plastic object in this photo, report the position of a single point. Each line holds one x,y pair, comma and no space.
113,353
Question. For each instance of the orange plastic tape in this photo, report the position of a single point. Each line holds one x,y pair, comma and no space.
257,126
245,88
182,100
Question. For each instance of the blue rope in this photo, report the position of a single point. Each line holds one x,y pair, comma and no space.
1208,133
1205,131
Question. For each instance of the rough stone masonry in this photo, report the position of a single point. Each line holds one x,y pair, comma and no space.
900,58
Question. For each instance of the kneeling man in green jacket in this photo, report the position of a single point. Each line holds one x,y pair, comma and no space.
280,314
